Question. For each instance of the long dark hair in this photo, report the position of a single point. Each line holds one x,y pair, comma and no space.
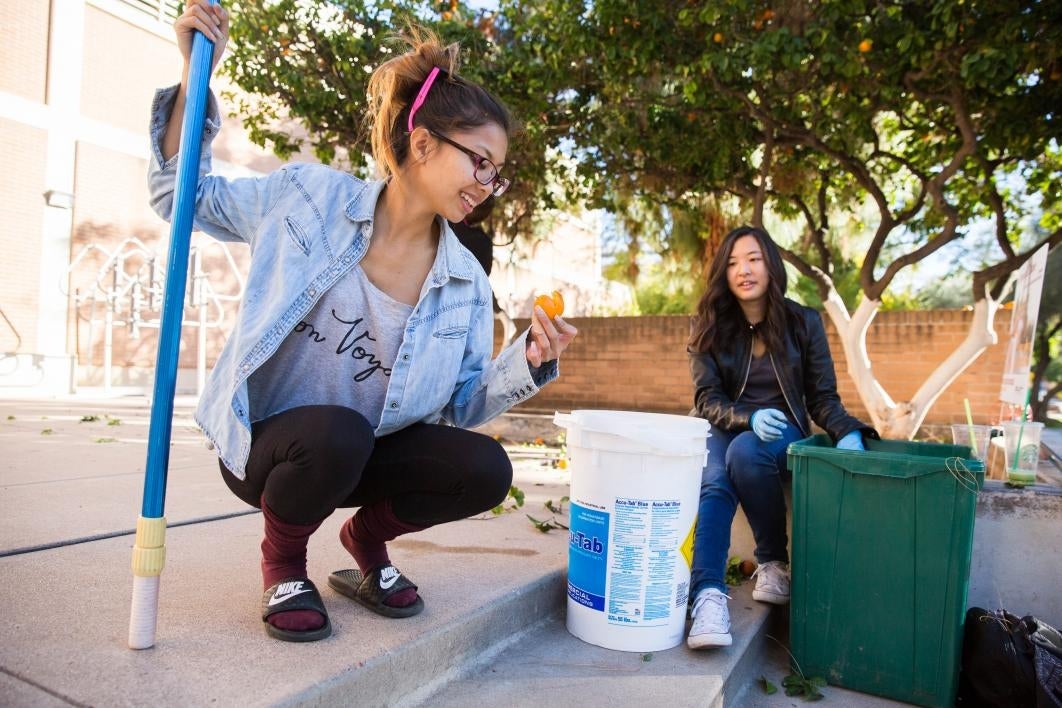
719,320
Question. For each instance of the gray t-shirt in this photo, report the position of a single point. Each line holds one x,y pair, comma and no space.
341,354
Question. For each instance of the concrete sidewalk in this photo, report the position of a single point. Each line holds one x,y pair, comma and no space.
71,481
69,497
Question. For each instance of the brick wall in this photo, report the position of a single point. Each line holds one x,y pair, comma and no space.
21,221
639,363
24,49
23,72
117,86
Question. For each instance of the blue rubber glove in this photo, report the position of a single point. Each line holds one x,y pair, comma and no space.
768,424
852,441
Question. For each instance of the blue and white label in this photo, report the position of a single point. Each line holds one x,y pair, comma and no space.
587,556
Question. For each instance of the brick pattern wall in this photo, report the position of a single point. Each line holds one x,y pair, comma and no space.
23,73
116,88
24,49
640,363
21,222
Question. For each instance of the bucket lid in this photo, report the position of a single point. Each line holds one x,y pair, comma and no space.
665,434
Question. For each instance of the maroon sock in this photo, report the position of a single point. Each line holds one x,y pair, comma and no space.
284,556
365,536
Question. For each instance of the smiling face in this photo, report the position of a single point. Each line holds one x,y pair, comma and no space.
746,272
451,182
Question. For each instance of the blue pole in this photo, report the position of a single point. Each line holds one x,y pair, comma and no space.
158,455
149,549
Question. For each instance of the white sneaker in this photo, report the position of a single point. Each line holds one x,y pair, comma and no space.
772,583
711,621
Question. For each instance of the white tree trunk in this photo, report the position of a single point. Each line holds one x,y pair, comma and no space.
901,420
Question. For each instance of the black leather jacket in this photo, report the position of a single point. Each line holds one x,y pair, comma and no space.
805,373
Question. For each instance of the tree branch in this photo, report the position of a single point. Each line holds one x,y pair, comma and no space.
765,170
817,275
996,202
920,199
818,236
998,272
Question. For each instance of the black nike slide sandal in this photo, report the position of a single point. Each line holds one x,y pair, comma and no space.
373,589
294,594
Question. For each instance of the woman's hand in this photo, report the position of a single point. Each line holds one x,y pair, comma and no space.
211,20
768,424
547,338
852,441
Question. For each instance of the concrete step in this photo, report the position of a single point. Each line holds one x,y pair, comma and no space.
494,588
776,666
549,666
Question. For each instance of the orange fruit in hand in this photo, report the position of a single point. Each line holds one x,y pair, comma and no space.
552,304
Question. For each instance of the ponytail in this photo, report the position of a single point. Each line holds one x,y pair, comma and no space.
450,103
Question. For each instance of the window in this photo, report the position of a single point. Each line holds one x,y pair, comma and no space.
162,10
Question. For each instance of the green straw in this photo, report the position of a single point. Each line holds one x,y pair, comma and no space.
1021,430
969,424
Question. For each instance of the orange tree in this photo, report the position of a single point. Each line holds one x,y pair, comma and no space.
939,116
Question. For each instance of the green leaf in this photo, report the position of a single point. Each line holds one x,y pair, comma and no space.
769,688
733,576
517,494
89,419
543,526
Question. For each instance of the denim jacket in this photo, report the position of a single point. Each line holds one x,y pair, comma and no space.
307,227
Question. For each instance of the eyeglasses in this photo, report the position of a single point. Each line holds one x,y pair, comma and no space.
485,171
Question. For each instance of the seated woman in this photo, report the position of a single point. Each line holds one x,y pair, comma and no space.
761,366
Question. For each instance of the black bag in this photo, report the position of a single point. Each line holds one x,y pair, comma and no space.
1009,661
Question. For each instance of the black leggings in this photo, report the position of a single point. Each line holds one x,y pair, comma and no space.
306,462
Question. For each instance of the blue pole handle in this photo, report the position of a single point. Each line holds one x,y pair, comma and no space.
158,453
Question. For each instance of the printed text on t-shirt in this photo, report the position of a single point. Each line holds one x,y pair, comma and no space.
349,343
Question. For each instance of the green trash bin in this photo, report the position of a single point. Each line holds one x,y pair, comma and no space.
882,541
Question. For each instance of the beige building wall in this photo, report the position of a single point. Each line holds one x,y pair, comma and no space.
76,82
23,66
21,190
24,49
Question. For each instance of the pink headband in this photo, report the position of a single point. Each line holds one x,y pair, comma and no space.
421,95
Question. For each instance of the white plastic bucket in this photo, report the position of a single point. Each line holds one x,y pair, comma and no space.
636,480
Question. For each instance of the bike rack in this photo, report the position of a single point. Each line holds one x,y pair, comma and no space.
129,287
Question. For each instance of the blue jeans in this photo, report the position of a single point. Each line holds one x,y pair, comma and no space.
742,470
